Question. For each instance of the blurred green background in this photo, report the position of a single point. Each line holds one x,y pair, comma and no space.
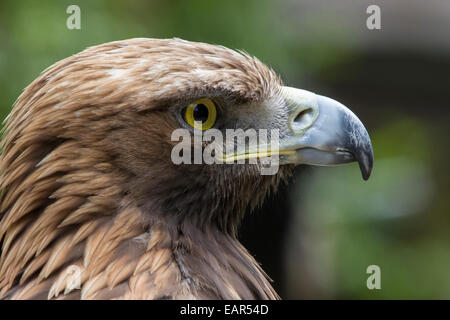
318,235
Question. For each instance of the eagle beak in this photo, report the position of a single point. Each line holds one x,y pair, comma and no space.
323,132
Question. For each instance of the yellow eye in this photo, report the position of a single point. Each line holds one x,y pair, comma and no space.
201,114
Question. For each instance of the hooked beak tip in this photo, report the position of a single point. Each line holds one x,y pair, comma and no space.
365,161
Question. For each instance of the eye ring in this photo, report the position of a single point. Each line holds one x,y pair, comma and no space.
201,114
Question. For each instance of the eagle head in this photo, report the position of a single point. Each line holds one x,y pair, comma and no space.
93,203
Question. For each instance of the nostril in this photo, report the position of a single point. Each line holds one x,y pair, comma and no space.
304,117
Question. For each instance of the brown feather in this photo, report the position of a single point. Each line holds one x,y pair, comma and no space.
86,179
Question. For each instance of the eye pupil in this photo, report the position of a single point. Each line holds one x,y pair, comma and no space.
201,113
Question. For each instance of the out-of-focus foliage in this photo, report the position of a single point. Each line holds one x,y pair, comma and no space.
399,219
391,221
33,34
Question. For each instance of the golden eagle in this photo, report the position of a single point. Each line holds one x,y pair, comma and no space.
89,191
